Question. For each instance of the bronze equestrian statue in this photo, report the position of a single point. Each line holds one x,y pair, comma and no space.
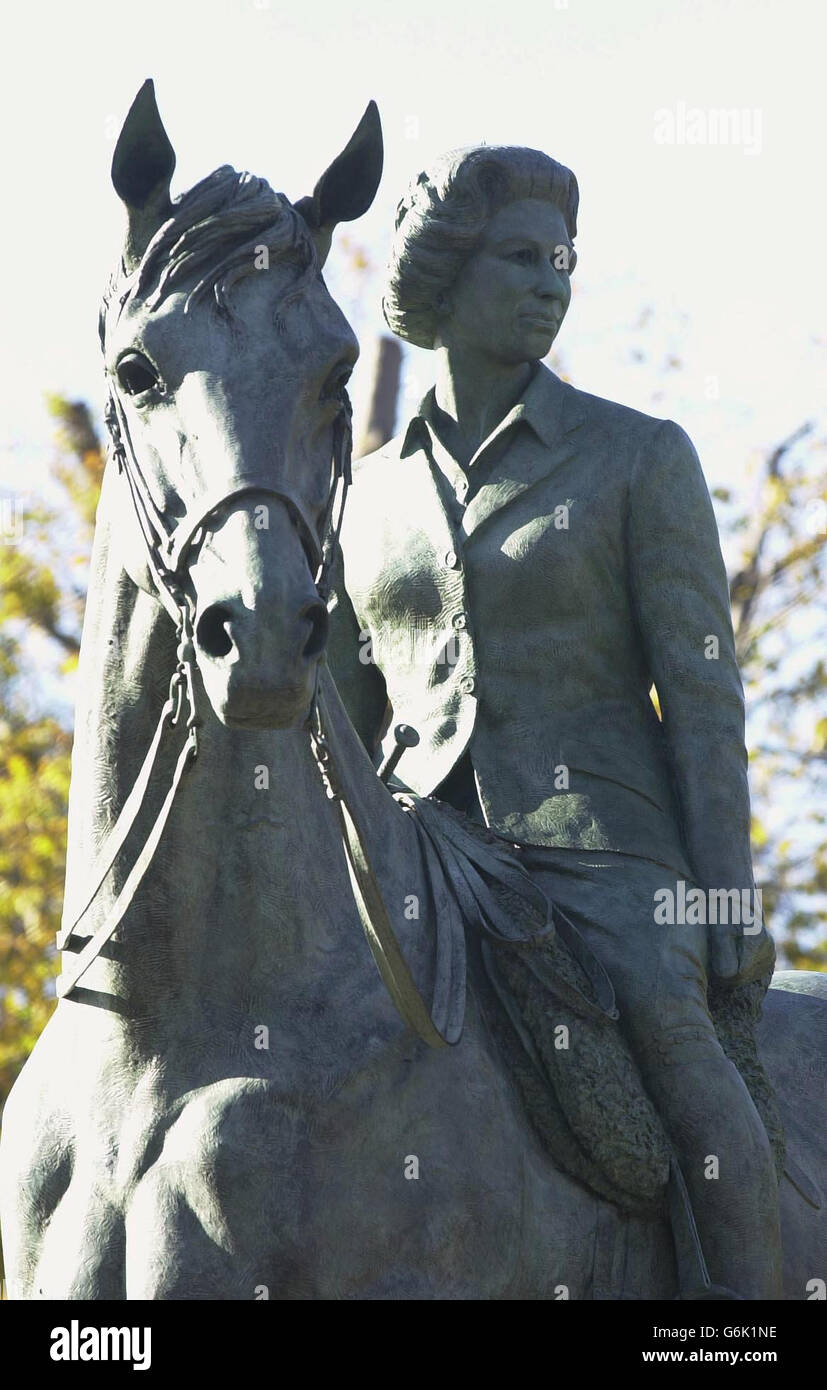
230,1100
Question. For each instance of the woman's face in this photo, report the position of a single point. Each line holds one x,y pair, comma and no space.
510,298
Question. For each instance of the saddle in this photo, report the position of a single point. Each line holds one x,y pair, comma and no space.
550,1010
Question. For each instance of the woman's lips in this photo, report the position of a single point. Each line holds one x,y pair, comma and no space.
549,325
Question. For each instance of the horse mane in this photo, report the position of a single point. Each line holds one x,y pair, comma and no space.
216,231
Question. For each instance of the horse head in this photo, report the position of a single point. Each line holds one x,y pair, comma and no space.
227,362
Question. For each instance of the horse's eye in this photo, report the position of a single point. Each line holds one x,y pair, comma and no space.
136,374
337,381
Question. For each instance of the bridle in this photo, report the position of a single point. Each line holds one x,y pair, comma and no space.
168,551
168,547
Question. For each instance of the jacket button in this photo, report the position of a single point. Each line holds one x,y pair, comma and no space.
460,620
466,685
451,559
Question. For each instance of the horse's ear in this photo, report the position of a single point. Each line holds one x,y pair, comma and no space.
142,168
348,187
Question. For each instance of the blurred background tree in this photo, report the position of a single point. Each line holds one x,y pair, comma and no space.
42,593
779,609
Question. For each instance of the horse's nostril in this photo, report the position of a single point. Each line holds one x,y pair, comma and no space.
316,615
212,633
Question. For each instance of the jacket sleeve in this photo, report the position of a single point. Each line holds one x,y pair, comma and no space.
349,656
681,596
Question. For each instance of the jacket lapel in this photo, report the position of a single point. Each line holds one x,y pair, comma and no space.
418,493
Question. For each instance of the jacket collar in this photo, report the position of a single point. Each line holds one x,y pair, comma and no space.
549,406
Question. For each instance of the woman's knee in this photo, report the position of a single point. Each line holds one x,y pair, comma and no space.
707,1102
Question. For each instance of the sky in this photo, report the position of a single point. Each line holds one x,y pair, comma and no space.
702,235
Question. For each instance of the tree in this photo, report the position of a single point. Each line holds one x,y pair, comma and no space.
780,620
42,593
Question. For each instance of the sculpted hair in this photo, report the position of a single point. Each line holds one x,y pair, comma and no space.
214,233
441,222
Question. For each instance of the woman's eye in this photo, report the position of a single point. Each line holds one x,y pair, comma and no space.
524,256
136,374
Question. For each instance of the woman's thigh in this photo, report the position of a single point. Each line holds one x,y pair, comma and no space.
658,968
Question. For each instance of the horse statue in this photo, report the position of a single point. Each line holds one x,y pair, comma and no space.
231,1101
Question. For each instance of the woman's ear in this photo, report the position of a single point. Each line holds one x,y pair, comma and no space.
443,308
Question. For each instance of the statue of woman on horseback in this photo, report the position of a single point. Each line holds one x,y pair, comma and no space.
563,549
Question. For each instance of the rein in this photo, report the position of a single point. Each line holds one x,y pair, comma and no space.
166,553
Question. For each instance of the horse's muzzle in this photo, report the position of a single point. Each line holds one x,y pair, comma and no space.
258,673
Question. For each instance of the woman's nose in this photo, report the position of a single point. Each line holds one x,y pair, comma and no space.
551,283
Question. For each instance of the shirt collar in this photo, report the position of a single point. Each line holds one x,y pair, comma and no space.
541,407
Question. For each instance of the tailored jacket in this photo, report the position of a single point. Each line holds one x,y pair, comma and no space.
528,627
